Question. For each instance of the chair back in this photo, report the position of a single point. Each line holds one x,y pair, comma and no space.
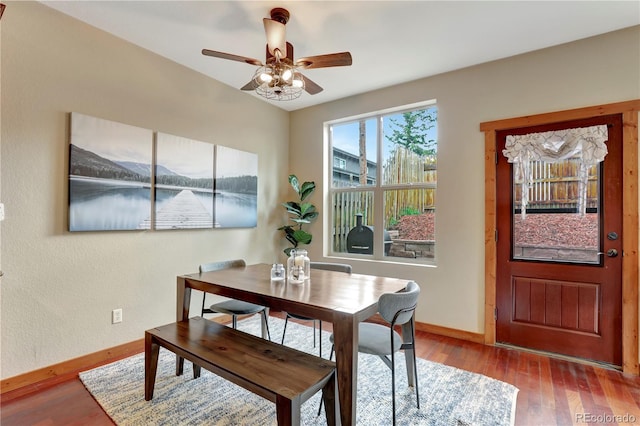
216,266
399,306
339,267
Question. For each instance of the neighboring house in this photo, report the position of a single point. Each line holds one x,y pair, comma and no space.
346,168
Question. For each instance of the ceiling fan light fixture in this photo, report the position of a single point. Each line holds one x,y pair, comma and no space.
287,74
298,81
265,77
280,83
278,77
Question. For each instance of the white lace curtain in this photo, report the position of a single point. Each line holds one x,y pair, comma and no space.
585,143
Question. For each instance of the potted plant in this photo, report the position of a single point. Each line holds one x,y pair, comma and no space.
300,212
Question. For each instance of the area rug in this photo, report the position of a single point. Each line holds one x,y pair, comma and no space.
448,396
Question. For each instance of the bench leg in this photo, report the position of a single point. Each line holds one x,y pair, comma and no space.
151,351
287,411
330,401
196,371
179,365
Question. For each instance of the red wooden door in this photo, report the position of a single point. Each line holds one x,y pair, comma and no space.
559,282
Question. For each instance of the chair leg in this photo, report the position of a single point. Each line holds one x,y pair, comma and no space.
286,321
393,386
314,333
234,321
204,297
415,364
266,323
320,337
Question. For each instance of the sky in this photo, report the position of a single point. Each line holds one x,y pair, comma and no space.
345,136
232,162
186,157
112,140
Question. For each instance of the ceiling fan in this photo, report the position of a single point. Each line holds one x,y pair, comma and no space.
279,76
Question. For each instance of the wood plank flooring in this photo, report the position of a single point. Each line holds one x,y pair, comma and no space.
552,391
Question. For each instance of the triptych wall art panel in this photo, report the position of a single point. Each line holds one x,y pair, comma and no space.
109,175
114,184
236,188
184,183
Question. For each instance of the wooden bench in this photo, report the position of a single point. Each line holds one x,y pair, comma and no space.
278,373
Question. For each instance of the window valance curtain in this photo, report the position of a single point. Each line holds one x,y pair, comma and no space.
586,144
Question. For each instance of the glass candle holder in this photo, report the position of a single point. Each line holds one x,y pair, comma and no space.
277,272
298,266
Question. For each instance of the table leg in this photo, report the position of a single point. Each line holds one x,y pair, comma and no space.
183,297
408,353
345,334
151,351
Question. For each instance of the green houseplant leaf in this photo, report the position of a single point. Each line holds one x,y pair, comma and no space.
300,213
306,190
293,180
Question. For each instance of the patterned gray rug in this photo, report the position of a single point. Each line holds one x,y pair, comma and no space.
448,396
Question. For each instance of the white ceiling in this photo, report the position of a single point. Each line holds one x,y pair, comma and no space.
391,41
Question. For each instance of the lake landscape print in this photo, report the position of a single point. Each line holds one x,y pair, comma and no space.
109,175
184,183
236,188
115,184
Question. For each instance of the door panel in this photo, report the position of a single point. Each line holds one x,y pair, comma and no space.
558,304
554,293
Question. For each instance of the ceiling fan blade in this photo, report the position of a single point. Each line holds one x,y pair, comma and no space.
231,57
252,85
275,37
324,61
311,87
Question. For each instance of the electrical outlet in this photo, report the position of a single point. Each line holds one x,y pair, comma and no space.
116,316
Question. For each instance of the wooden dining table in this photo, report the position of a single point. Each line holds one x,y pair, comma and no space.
336,297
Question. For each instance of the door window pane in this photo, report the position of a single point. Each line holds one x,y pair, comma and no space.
553,228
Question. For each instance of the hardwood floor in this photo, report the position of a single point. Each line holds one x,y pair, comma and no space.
552,391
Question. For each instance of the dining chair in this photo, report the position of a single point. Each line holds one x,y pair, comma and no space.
339,267
384,341
232,307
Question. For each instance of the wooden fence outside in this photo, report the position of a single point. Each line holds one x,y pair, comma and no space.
555,186
403,167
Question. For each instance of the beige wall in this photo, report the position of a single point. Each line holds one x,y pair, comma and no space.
594,71
59,288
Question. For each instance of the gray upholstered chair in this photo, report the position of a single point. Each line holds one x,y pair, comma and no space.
384,341
340,267
233,307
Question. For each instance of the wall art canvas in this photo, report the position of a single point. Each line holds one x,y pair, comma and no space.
236,188
109,175
184,183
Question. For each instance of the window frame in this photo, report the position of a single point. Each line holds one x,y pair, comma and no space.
378,189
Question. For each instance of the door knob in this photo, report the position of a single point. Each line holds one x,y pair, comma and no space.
610,253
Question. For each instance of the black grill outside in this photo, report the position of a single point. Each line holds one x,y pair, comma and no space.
360,238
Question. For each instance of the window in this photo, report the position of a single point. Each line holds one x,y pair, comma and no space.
399,196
